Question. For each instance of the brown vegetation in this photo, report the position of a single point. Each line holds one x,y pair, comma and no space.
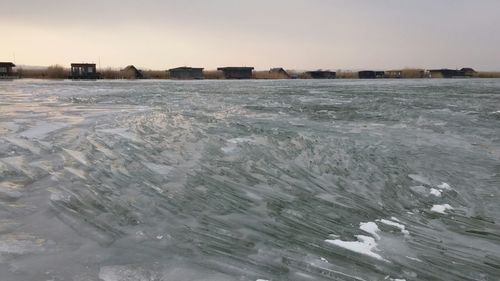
110,73
57,72
156,74
213,74
347,74
269,75
490,74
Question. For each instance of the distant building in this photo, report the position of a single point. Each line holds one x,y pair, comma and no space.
405,73
186,73
468,72
394,74
279,73
131,72
322,74
84,71
451,73
370,74
236,72
6,70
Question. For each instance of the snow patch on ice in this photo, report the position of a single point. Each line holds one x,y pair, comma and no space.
414,259
436,192
240,140
441,208
365,246
370,227
444,186
395,224
233,143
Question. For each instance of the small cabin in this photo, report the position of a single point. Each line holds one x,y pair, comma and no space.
237,72
322,74
371,74
186,73
6,69
468,72
279,72
84,71
131,72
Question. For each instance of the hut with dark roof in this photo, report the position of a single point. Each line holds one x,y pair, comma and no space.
370,74
6,70
237,72
84,71
279,72
186,73
131,72
322,74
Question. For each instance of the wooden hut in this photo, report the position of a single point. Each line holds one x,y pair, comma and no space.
322,74
370,74
131,72
186,73
279,72
468,72
237,72
84,71
6,70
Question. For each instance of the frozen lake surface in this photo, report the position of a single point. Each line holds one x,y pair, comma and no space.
248,180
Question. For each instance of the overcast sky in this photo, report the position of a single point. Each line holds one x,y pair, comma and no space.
295,34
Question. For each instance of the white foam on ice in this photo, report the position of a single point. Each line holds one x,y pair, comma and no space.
365,246
441,208
444,186
370,227
240,140
414,259
435,192
395,224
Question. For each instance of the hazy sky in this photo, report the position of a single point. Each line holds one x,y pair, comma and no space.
299,34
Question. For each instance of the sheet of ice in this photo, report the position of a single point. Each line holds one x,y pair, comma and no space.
370,227
435,192
233,144
397,225
365,246
420,179
41,129
24,144
158,168
441,208
78,156
122,132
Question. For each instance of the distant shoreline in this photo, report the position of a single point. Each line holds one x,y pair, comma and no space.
58,72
